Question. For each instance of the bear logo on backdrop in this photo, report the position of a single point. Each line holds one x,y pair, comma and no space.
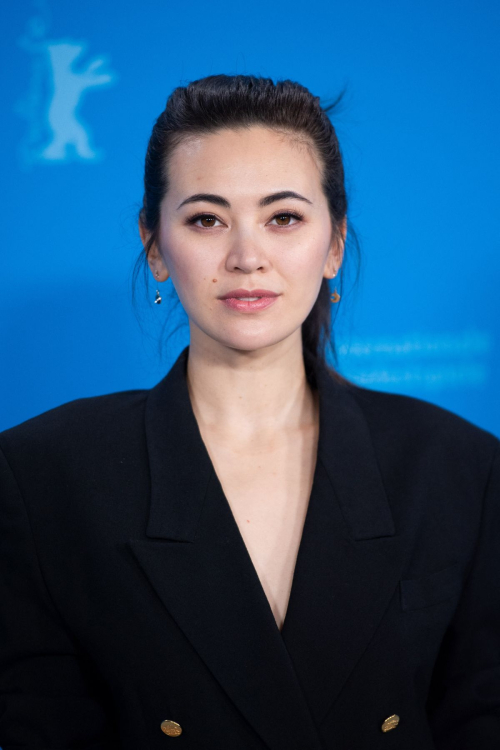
59,81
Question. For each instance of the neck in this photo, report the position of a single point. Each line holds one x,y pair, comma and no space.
248,393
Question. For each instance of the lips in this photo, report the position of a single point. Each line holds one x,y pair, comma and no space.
250,306
234,293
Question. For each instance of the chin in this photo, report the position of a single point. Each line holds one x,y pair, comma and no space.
251,343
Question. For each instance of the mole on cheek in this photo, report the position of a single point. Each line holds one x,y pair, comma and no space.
214,280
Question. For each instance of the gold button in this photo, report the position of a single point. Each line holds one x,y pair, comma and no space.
171,728
391,722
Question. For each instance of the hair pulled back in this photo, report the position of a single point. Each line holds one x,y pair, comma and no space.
223,101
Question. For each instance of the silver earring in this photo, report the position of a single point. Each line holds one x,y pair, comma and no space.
158,295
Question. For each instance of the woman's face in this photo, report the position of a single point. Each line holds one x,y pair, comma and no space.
239,236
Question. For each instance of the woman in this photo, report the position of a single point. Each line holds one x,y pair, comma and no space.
255,553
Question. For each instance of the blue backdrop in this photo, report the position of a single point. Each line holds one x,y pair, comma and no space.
83,83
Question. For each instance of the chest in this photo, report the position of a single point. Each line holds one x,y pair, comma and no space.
268,489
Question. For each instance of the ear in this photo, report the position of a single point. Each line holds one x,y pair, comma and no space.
336,251
155,259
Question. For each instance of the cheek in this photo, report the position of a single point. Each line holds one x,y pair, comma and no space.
192,271
186,263
185,269
307,259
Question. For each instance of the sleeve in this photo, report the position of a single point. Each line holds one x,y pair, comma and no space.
50,695
465,714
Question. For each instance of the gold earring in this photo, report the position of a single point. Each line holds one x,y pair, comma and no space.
158,295
335,297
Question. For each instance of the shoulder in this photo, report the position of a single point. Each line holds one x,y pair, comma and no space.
83,423
418,428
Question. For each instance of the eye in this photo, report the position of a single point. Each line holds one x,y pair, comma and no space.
287,215
208,217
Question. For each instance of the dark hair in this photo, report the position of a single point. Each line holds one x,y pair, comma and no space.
223,101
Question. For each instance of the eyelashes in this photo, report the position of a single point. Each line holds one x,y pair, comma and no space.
294,214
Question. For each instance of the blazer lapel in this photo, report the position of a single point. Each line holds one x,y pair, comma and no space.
350,559
196,559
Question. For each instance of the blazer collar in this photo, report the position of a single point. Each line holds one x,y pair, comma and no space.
348,565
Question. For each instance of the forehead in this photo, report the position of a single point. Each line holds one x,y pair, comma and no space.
233,158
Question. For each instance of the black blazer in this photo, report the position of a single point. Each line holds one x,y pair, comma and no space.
128,597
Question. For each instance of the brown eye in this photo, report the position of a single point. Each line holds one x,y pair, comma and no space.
209,219
283,219
283,216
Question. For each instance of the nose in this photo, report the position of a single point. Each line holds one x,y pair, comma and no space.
246,253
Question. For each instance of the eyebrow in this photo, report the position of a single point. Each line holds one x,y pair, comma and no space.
220,201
